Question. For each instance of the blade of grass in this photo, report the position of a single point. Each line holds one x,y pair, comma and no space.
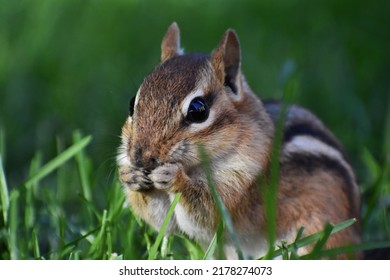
65,249
299,234
271,190
131,237
147,241
195,252
220,254
375,187
117,199
98,246
108,241
13,225
287,72
37,254
294,249
315,237
322,241
165,246
161,233
211,248
2,143
4,193
74,255
285,252
59,160
82,166
216,242
29,209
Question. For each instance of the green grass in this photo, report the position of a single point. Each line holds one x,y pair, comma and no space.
37,225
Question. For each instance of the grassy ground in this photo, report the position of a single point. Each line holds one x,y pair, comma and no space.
56,217
68,65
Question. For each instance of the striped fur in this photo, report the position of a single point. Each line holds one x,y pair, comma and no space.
317,182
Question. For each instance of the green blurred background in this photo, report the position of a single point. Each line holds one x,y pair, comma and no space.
71,64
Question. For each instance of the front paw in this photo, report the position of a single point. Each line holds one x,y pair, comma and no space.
135,179
165,176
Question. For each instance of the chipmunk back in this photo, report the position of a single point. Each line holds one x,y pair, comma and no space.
196,99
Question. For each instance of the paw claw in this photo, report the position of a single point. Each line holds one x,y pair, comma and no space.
135,179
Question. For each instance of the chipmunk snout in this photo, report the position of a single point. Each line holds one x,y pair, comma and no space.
145,159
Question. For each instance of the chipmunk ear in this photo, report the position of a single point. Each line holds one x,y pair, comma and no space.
170,45
226,60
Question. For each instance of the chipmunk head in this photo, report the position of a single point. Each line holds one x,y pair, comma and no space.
188,99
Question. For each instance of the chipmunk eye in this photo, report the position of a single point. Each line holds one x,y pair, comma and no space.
131,106
198,111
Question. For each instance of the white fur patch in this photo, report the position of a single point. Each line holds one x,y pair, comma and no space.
308,144
235,170
199,126
187,101
137,98
180,51
158,209
187,225
252,247
122,158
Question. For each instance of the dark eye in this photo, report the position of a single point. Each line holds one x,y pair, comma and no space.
131,106
198,111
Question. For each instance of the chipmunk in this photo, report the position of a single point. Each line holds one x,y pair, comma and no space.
196,99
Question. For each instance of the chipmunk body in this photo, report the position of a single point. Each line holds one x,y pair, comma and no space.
194,99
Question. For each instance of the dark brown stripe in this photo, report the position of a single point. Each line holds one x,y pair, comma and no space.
307,129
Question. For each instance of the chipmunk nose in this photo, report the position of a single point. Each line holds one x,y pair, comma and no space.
150,163
145,159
